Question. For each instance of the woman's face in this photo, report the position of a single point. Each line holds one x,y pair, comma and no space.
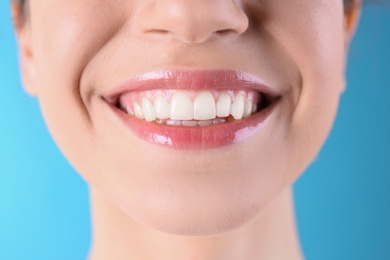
83,58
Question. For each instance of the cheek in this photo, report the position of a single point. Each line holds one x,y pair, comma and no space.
66,35
314,39
323,80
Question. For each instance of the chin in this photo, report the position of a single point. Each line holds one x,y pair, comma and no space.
197,210
200,221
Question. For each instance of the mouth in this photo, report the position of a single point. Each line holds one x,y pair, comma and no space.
193,109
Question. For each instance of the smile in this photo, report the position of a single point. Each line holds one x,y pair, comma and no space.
193,109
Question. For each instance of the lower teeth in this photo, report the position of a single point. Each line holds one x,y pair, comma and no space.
191,122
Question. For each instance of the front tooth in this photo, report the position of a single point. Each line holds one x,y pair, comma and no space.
138,111
148,110
181,107
161,107
248,109
237,109
223,105
204,106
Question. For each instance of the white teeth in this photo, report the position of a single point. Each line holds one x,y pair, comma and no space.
204,106
138,111
129,111
148,110
190,123
181,107
237,109
205,122
174,122
223,105
248,109
161,107
219,121
180,110
161,121
254,108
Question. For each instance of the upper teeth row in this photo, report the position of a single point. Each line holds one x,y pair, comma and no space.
181,107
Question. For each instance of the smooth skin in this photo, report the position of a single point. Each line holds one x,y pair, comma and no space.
152,202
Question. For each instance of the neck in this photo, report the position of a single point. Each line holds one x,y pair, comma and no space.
272,235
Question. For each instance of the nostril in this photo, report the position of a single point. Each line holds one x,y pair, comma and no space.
225,32
157,31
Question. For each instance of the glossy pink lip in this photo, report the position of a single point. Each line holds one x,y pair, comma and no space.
181,137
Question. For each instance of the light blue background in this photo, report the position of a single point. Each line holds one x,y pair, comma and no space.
343,200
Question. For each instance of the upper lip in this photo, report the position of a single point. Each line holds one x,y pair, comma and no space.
191,80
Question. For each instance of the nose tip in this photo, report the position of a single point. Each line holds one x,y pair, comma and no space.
192,21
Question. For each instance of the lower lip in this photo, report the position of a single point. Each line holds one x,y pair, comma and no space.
192,138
